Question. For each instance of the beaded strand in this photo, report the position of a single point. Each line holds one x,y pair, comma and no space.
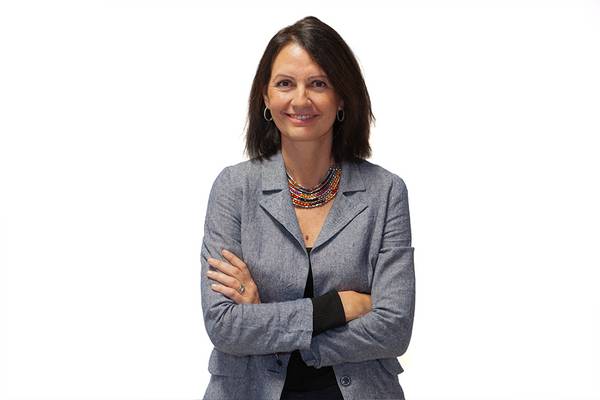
320,194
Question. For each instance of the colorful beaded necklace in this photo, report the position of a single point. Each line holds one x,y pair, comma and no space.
320,194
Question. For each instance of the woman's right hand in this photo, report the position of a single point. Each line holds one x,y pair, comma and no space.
355,304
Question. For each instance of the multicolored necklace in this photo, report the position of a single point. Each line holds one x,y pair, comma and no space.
320,194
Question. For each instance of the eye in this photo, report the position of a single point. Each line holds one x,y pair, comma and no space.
278,84
318,83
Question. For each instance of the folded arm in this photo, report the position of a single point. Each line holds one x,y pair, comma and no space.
385,331
244,329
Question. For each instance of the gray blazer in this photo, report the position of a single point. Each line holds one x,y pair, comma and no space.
364,245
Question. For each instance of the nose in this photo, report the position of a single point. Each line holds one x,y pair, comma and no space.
300,97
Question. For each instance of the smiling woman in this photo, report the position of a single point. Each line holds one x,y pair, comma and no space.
307,265
302,101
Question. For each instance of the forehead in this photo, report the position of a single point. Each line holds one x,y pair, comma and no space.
296,62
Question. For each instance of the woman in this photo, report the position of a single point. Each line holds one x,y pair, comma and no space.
307,266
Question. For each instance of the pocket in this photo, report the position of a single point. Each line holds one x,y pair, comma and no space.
227,364
392,365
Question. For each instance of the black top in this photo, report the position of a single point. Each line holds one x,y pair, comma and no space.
328,312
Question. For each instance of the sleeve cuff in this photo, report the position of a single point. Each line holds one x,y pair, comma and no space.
328,312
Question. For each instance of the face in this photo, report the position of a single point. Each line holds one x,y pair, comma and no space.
298,88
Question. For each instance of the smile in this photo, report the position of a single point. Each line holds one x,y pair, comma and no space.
302,117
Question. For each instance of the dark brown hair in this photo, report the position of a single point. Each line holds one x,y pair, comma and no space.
330,51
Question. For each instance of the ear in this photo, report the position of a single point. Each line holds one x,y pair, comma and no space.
265,94
341,105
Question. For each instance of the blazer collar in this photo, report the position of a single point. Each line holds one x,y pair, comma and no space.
276,199
274,177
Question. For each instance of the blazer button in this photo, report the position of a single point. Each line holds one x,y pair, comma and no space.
345,380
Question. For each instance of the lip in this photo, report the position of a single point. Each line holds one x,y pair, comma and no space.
300,122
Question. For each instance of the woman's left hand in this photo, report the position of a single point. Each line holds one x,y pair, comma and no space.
231,276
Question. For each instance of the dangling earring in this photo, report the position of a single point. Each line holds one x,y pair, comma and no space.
337,116
265,114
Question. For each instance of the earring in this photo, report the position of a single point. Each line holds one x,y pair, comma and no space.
265,114
338,116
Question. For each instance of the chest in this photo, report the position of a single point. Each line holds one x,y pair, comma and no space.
311,221
274,233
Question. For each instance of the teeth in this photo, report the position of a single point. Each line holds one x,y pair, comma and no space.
301,116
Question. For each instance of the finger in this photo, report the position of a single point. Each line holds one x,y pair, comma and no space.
227,291
235,261
239,263
224,267
223,278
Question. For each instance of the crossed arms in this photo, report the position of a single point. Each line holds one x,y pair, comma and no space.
266,328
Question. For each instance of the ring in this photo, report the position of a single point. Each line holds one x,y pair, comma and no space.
241,289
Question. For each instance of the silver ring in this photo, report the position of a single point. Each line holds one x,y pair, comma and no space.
241,289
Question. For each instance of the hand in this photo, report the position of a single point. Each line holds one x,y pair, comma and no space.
230,275
355,304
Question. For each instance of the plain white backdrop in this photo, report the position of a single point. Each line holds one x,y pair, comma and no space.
116,116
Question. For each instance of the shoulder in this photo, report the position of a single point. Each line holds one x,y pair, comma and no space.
238,175
379,179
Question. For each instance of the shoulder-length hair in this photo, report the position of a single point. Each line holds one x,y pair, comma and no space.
330,51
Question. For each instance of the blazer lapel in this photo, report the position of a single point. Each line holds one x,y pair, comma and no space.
346,204
277,201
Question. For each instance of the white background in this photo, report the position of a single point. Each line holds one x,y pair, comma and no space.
116,116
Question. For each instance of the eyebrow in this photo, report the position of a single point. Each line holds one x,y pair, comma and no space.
310,77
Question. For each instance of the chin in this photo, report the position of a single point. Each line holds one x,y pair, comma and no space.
303,136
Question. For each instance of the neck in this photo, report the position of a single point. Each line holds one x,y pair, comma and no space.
307,162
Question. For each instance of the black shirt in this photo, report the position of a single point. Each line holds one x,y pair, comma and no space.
328,312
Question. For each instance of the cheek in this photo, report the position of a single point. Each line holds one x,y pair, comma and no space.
277,100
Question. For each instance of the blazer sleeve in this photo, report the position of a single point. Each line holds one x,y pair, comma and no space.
244,329
385,331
